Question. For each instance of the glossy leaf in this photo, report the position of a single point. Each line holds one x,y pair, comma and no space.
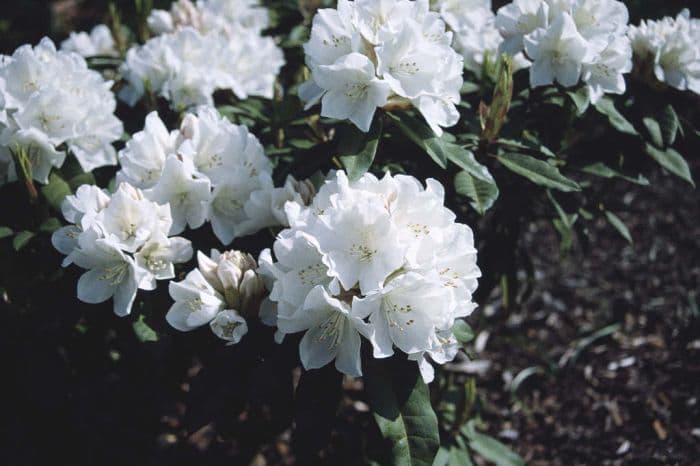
603,171
465,160
482,194
619,225
462,331
400,403
606,107
421,134
672,161
358,149
538,171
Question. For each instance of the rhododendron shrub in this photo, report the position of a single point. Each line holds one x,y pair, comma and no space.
333,189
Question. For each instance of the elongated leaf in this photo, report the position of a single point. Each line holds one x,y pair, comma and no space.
672,161
465,160
538,172
358,153
421,135
668,120
400,403
581,99
21,239
5,232
143,331
654,130
493,117
459,457
56,191
606,107
603,171
619,225
490,448
462,331
482,194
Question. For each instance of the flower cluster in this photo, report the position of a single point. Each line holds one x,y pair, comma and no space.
383,259
98,42
366,52
570,41
225,16
209,169
221,292
199,56
121,240
49,102
670,48
476,37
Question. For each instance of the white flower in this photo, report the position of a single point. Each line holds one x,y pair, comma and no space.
187,66
230,326
605,73
557,53
188,196
379,258
353,91
98,42
332,333
143,157
196,302
365,52
223,16
110,273
160,254
518,19
670,48
52,101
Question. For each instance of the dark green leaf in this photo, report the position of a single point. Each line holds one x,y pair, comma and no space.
606,107
459,457
538,171
581,99
50,225
400,403
421,134
482,194
21,239
490,448
672,161
603,171
668,120
619,225
56,191
357,153
462,331
5,232
81,179
143,332
654,130
465,160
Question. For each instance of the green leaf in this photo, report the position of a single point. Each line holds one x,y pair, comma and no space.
400,404
56,191
421,135
465,160
5,232
357,153
654,130
672,161
462,331
603,171
143,332
581,99
490,448
81,179
538,171
21,239
459,457
619,225
442,458
670,124
482,194
50,225
606,107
